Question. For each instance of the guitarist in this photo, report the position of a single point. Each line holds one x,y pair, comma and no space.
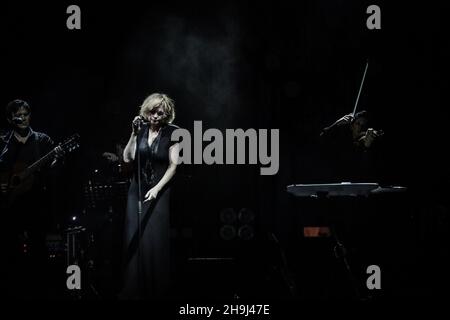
21,146
26,218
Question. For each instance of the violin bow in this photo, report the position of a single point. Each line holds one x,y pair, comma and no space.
360,88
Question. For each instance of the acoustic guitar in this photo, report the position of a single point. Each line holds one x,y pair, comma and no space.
20,180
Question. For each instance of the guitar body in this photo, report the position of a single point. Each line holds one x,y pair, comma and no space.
21,178
15,183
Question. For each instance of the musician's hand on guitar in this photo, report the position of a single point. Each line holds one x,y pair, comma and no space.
151,194
4,187
59,154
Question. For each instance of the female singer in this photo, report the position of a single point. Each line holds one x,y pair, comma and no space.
154,157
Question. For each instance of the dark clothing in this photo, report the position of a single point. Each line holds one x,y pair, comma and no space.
19,156
36,146
153,279
27,217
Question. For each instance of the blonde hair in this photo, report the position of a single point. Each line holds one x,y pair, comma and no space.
156,100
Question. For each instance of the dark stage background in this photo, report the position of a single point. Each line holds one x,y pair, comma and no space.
294,66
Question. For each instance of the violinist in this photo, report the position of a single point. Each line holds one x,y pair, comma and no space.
353,149
362,135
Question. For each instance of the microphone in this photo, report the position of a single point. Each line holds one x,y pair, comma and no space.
142,120
17,120
139,122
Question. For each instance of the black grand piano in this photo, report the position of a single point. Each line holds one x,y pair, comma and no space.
347,189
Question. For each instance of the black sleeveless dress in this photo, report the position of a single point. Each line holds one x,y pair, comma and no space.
147,271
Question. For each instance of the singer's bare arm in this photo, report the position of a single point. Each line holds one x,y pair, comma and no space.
170,172
130,149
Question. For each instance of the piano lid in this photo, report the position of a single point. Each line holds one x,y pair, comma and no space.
332,189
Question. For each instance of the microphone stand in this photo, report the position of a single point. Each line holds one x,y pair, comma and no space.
139,255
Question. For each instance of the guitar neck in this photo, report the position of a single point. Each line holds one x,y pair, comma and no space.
40,163
68,146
